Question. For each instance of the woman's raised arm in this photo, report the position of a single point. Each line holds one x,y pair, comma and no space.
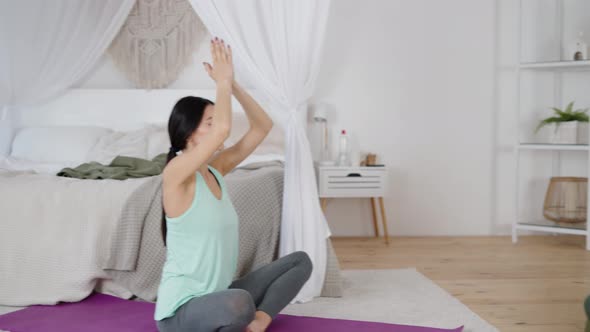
184,166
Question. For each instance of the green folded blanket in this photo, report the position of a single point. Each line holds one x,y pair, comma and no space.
121,168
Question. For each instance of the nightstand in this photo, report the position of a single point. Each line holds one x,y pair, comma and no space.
355,182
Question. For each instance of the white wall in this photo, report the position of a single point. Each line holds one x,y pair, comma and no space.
412,81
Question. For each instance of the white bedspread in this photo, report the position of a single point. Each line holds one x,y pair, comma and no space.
8,164
69,221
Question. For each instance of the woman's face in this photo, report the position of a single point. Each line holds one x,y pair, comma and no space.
204,128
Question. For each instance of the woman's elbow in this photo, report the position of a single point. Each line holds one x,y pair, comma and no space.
268,125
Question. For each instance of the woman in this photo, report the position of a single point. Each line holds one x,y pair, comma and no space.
197,291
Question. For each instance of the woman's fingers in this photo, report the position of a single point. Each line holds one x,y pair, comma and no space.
221,67
220,48
215,54
208,67
223,50
213,51
229,55
218,51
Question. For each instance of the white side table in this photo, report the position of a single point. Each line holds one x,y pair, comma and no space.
358,182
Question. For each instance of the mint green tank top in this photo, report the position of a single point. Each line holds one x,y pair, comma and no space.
202,249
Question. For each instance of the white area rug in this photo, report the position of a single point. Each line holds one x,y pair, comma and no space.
389,296
394,296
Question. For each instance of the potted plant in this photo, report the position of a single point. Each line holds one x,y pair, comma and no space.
569,126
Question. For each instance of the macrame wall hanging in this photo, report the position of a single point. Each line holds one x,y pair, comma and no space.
157,42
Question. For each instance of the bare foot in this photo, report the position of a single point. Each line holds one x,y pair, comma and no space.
261,321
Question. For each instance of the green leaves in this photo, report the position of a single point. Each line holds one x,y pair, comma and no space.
565,115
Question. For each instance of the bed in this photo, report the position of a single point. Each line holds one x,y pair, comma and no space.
62,238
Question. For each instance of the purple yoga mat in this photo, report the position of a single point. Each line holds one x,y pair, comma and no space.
100,312
288,323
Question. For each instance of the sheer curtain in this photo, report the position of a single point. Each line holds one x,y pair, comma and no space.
47,46
277,47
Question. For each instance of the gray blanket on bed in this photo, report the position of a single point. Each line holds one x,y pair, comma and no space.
138,253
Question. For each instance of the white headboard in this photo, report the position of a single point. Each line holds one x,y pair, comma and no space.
118,109
129,109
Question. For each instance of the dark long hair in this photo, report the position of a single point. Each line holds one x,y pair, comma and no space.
184,120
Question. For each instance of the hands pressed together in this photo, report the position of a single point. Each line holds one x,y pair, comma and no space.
222,69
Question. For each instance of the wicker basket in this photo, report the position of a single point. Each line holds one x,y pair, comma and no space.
566,199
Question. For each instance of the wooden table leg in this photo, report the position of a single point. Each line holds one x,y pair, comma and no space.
374,217
384,219
324,202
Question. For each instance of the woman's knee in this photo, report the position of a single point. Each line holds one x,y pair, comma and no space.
231,308
303,262
241,307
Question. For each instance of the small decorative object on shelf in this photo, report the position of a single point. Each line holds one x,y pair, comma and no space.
566,199
568,126
371,161
578,49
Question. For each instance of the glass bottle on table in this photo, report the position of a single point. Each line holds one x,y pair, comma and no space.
344,149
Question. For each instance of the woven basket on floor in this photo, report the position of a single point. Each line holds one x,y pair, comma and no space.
566,199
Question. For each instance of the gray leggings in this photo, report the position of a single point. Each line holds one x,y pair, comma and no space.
269,289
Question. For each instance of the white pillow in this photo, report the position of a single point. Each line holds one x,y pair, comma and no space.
69,144
6,138
129,143
158,141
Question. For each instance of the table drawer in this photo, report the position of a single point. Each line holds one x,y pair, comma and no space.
352,182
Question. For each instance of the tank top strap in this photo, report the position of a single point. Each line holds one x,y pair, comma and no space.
220,180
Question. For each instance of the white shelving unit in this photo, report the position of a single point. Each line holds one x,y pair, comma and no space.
557,65
553,147
557,68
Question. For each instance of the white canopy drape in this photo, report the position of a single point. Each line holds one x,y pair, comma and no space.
47,46
277,47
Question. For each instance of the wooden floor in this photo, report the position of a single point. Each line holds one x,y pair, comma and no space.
536,285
